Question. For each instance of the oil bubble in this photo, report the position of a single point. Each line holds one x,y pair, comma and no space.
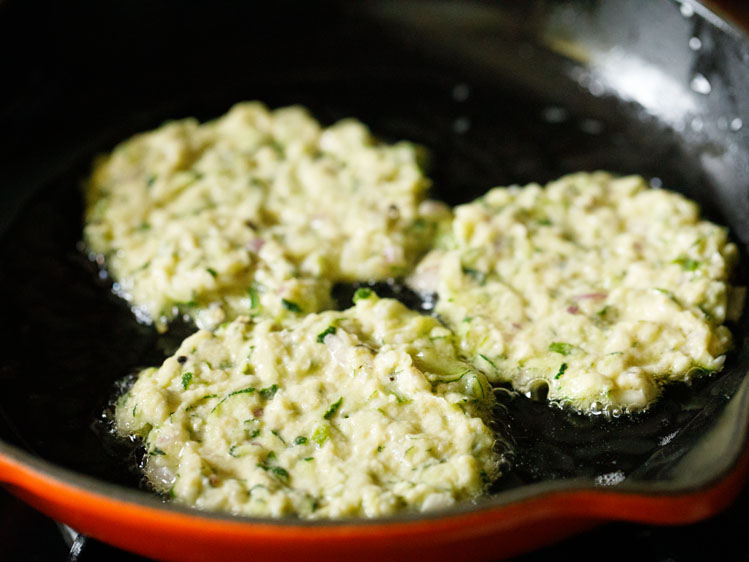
591,126
596,408
612,411
700,84
461,91
461,125
596,88
539,391
666,439
554,114
610,478
507,392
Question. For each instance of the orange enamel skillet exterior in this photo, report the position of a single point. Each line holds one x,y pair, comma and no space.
142,525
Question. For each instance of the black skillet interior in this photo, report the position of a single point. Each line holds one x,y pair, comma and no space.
500,93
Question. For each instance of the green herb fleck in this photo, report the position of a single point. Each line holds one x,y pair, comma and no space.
257,487
562,348
669,294
254,433
601,313
213,273
276,471
707,314
291,306
308,459
327,331
247,390
321,435
186,378
330,412
686,263
301,440
151,179
252,291
363,293
478,276
269,392
485,358
156,451
275,432
560,372
401,400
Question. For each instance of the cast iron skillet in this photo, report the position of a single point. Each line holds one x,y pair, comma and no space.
500,93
